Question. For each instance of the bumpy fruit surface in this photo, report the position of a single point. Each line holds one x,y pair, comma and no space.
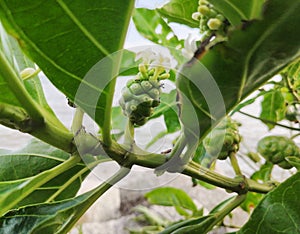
275,148
139,97
224,135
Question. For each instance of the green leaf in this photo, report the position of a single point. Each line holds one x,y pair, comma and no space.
152,26
251,201
238,66
264,173
169,196
56,217
9,98
236,10
273,107
180,11
26,166
68,40
278,212
128,66
294,161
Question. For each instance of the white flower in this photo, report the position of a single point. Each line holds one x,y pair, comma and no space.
146,55
190,47
160,60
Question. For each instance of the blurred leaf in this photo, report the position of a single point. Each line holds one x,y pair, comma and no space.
236,10
151,217
119,120
264,173
251,201
68,40
158,31
169,196
273,107
128,67
294,161
278,212
180,11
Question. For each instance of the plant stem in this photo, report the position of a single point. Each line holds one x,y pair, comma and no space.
77,121
220,215
129,134
16,86
269,121
95,194
235,164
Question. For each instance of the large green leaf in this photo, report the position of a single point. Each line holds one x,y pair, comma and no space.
240,65
152,26
278,212
56,217
180,11
9,100
237,10
28,176
67,38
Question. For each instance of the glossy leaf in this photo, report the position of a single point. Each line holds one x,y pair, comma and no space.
239,66
180,11
236,10
56,217
33,86
68,40
169,196
152,26
273,107
278,212
26,170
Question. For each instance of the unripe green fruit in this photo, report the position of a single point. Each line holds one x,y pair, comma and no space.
139,98
275,148
225,134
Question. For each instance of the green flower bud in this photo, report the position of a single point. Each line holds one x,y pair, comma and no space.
204,10
214,24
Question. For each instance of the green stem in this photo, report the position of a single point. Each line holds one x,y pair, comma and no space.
95,194
268,121
16,86
77,121
220,215
235,164
129,134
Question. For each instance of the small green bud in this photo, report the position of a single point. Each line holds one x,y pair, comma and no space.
204,10
214,23
27,73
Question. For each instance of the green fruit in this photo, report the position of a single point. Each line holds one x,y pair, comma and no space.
138,99
225,134
275,148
